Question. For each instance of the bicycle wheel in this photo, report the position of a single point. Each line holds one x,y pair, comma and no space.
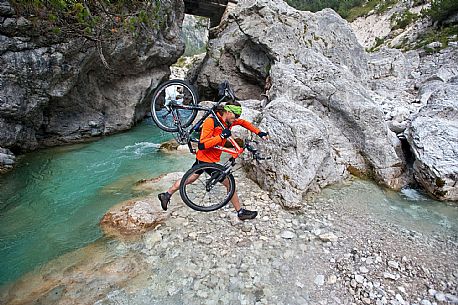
207,193
172,93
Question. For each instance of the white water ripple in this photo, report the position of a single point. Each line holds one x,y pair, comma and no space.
142,148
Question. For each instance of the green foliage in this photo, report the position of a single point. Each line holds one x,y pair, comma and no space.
378,43
384,6
359,11
97,20
348,9
418,2
181,62
444,35
401,21
440,10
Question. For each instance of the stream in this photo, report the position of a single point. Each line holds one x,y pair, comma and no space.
51,204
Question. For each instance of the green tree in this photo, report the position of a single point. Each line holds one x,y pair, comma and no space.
95,20
99,21
442,9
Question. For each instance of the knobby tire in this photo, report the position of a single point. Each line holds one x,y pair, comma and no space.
202,200
163,118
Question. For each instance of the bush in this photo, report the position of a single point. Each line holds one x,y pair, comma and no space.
403,20
95,20
348,9
441,10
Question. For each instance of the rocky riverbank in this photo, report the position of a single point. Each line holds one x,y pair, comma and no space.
332,251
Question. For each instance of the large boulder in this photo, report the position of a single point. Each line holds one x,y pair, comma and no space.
434,142
322,120
57,89
137,216
417,92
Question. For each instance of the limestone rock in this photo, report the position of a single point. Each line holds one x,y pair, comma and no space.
137,216
170,145
328,237
57,91
134,217
322,121
433,138
7,160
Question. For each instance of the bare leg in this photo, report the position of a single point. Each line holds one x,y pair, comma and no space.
235,198
176,185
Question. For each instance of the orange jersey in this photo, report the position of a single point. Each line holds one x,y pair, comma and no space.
210,137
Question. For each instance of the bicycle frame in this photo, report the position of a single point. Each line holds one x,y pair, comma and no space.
235,152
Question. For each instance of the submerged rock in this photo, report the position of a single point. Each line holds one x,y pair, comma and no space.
7,160
134,217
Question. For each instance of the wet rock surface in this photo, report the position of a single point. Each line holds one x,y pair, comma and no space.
7,160
329,252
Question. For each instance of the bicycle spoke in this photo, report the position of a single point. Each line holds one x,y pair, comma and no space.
172,95
205,193
198,193
165,115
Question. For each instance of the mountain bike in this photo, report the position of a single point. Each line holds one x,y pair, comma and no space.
174,107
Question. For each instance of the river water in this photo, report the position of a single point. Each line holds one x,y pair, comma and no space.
52,202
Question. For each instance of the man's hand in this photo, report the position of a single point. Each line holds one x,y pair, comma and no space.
263,135
226,133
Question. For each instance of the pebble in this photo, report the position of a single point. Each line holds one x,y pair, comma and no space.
440,297
390,276
359,278
328,237
363,269
288,235
400,299
393,264
332,279
402,289
319,280
452,298
353,283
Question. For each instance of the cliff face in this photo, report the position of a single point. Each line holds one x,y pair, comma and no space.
335,109
322,121
57,90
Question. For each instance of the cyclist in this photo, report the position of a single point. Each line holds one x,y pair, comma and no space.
211,136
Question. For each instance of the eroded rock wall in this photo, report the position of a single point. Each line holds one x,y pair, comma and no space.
57,90
322,120
417,93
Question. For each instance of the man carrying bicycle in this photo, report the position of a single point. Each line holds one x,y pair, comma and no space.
211,136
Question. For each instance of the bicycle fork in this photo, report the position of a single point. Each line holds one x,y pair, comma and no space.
220,176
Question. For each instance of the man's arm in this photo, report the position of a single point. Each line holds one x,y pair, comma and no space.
207,139
251,128
247,125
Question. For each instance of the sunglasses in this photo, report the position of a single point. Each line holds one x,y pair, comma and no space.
236,115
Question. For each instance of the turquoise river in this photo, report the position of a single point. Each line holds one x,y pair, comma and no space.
53,201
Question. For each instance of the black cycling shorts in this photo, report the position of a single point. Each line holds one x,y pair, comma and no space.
199,172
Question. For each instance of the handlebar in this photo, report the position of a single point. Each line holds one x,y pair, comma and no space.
256,155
